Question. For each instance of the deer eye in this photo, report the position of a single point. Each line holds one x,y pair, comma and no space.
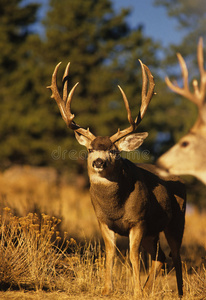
184,144
90,150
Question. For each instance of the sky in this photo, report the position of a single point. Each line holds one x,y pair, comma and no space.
157,24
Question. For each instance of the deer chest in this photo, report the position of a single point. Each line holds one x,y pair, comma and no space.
120,216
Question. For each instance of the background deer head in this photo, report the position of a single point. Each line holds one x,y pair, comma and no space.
188,155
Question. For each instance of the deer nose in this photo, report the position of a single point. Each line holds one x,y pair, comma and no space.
98,163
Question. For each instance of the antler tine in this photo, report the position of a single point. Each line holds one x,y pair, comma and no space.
56,95
65,82
65,103
146,95
146,98
200,59
67,98
185,92
126,103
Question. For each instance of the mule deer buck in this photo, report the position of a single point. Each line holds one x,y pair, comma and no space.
128,199
188,155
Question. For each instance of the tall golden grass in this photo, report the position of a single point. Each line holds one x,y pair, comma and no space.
38,257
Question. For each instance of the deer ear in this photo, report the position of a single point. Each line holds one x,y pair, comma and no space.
82,140
131,142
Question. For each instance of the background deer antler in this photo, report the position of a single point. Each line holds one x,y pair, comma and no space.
199,95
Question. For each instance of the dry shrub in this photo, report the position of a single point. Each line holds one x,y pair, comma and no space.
30,251
33,256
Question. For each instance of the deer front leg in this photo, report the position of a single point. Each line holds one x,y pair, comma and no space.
109,240
135,238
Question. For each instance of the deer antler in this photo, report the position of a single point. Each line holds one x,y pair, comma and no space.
198,97
146,98
64,103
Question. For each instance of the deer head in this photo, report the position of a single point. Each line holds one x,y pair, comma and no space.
104,151
188,155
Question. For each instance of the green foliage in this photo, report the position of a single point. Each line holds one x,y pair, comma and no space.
191,17
189,14
17,80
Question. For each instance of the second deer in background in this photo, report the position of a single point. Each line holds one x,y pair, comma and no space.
188,155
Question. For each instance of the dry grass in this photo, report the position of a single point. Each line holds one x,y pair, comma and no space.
38,263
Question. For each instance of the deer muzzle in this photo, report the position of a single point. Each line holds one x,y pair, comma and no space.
99,164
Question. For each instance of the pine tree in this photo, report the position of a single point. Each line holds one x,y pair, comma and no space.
15,84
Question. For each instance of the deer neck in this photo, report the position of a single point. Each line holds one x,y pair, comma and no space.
109,193
199,127
116,187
